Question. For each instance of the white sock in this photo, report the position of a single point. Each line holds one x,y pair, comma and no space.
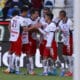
50,64
28,65
45,69
28,68
70,63
49,68
62,67
45,66
54,67
17,63
13,59
9,61
31,63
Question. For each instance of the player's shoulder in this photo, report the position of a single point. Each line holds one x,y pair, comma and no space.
38,19
29,19
42,19
14,18
69,20
56,20
21,18
52,24
61,22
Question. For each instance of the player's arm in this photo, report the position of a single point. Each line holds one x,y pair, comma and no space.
42,31
70,23
31,27
27,28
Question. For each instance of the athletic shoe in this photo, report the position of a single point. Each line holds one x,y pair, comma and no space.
49,73
68,74
44,74
7,71
62,73
12,71
17,72
54,72
32,73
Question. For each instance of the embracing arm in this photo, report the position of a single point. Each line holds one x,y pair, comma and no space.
42,31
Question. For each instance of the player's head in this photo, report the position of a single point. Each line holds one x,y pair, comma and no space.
34,13
46,10
49,17
24,11
62,14
14,13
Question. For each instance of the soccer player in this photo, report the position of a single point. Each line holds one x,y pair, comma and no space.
30,47
42,43
17,25
44,23
65,26
58,38
48,34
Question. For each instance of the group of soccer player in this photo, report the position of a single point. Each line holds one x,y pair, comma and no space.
29,33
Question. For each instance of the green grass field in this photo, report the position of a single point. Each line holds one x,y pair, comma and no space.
29,77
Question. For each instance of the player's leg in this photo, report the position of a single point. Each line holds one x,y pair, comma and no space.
18,45
31,53
31,65
41,48
54,56
70,58
70,66
17,64
46,55
45,67
61,58
26,50
50,66
28,65
11,62
10,68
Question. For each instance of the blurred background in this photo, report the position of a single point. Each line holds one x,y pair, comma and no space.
7,6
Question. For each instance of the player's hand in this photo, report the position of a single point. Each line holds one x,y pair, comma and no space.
38,25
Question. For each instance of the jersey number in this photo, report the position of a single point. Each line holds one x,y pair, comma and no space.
14,23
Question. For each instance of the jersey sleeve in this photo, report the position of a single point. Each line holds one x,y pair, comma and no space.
29,22
51,28
25,22
22,22
70,24
42,31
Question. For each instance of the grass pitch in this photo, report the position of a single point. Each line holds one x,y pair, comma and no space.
4,76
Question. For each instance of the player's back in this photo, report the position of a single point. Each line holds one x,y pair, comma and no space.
15,30
15,23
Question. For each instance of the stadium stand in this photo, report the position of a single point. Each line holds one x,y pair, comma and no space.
7,6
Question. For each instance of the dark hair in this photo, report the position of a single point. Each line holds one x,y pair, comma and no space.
14,13
63,12
50,15
46,8
24,9
33,11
